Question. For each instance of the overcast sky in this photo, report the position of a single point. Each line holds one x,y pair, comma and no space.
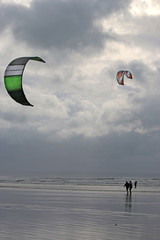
82,120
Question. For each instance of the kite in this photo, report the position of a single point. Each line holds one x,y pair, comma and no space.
120,76
13,78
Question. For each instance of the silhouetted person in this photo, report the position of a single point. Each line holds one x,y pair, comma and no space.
130,187
127,186
135,184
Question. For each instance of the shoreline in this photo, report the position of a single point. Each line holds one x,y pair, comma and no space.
71,187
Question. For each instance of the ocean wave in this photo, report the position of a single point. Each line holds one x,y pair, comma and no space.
89,184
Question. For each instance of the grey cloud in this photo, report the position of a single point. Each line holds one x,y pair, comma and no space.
145,95
143,74
126,118
128,152
14,117
144,33
150,114
61,24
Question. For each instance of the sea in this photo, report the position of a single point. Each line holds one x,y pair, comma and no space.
79,181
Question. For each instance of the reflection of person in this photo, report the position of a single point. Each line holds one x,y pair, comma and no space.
127,186
128,202
130,187
135,184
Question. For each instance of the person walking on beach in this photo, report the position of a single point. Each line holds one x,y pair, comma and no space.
135,184
127,186
130,187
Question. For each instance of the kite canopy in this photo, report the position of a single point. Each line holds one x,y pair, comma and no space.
120,76
13,79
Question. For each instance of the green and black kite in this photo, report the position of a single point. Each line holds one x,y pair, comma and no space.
13,78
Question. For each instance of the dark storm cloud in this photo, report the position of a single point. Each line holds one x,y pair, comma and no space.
127,153
60,24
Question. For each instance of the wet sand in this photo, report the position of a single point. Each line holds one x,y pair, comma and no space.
78,215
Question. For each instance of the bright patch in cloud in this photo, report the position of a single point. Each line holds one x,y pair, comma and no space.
25,3
145,7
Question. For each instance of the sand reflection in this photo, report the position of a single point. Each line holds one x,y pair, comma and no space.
128,202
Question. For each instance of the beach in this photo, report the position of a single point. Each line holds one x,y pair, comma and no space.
78,214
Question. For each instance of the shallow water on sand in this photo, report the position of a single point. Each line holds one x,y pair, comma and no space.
78,215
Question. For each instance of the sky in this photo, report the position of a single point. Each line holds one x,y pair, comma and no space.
82,119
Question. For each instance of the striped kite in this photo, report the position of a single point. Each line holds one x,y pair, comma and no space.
13,78
120,76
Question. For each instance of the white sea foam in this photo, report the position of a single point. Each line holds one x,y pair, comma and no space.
80,183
